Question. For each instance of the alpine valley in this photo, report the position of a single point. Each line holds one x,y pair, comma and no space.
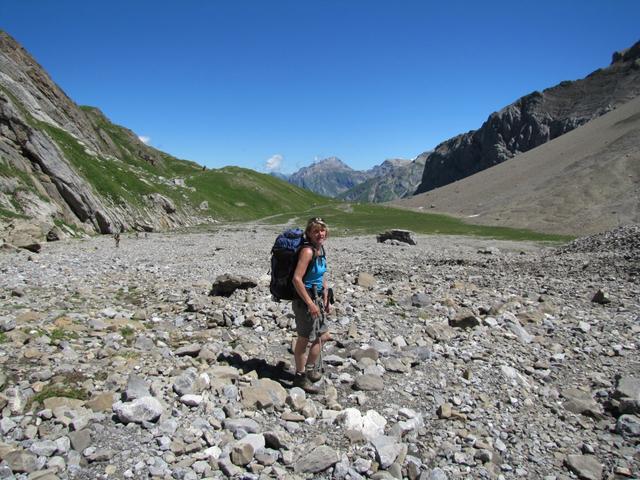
66,170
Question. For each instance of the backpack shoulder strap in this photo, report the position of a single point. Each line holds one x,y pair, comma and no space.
312,262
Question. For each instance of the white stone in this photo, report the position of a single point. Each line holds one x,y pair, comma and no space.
373,424
191,400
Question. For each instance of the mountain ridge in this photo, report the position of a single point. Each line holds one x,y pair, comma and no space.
67,170
534,119
583,182
393,178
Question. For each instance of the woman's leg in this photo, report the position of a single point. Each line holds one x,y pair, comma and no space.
299,353
316,345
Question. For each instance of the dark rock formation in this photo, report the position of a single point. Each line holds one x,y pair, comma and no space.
403,236
226,284
533,120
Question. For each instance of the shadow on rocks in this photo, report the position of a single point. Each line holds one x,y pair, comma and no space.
278,372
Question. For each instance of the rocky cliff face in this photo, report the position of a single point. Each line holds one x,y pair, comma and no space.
533,120
67,170
47,148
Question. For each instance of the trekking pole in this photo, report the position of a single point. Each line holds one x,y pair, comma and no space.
316,327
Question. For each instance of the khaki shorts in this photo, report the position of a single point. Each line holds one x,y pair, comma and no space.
304,322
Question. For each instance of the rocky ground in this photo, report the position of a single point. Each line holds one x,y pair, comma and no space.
454,358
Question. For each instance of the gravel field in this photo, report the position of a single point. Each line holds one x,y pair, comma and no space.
455,358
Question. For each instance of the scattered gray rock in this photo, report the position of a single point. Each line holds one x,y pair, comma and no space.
317,460
145,409
601,297
628,426
404,393
586,467
136,388
387,450
464,319
368,382
22,462
421,300
7,324
366,280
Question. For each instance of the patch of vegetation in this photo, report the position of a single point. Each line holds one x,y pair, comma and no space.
232,193
3,338
127,332
67,227
70,378
101,375
62,334
129,355
38,332
136,153
17,104
390,303
25,182
9,214
57,391
367,219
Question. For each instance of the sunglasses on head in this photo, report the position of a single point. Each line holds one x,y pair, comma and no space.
317,220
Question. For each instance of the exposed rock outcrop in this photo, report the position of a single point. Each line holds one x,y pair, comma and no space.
69,171
533,120
50,145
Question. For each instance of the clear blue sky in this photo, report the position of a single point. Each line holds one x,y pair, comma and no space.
240,82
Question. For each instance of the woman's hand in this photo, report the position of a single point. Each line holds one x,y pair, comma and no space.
314,311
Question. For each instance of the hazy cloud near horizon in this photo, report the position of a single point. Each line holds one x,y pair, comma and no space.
274,163
144,139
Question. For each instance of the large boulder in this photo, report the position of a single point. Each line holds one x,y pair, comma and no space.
24,234
228,283
396,235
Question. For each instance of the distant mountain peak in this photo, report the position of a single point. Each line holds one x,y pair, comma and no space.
330,162
394,178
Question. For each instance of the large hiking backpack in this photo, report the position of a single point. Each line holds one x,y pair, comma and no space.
284,258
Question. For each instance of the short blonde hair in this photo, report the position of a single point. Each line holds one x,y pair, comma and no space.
316,223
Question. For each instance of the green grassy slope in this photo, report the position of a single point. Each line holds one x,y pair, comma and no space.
354,219
232,193
240,194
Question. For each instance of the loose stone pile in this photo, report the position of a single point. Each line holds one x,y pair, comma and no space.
454,358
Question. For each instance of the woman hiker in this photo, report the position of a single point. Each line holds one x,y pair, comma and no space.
309,276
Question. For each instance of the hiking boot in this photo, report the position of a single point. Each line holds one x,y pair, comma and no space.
314,375
300,380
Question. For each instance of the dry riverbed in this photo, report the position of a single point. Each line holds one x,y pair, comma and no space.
454,358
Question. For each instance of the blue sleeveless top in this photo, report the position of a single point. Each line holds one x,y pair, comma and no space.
315,273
